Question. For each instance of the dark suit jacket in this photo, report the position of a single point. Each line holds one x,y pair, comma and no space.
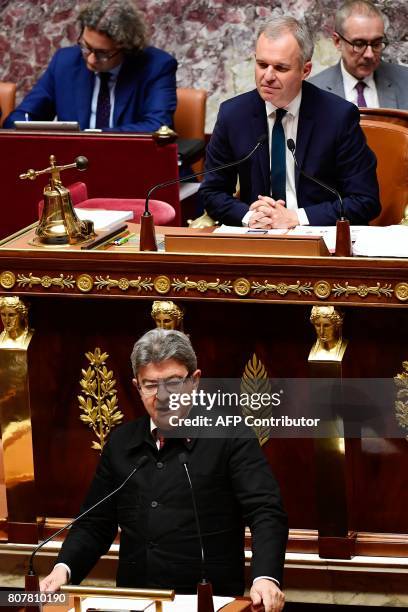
145,93
391,81
330,145
159,547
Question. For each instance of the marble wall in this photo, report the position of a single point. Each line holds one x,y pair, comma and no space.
213,40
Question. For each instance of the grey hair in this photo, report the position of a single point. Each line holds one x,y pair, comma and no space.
160,344
277,26
118,19
355,7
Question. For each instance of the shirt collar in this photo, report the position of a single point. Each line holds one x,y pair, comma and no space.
292,108
113,72
350,81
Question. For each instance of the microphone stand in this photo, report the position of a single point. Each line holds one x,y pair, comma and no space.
147,231
31,578
343,237
205,601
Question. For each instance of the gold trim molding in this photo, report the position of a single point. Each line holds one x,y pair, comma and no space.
46,281
240,286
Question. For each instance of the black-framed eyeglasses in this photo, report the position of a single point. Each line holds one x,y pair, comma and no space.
100,55
174,384
360,46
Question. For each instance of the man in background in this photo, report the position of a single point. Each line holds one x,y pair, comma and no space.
361,76
111,80
325,131
159,545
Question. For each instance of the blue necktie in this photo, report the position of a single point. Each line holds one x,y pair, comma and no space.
278,158
103,107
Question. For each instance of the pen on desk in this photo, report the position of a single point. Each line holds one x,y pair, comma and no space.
123,239
104,237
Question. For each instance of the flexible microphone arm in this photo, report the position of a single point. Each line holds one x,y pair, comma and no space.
147,231
259,142
183,460
205,602
139,464
292,147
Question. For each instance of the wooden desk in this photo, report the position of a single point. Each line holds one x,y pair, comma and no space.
235,306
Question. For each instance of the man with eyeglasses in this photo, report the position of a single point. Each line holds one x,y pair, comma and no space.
361,76
159,545
111,80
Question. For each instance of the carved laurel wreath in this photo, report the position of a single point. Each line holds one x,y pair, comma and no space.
99,402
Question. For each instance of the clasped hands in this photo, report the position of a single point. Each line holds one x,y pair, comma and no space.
268,213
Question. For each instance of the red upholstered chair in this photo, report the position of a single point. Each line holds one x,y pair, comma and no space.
163,213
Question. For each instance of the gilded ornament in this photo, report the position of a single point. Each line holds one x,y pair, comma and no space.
60,281
202,285
84,283
330,344
282,288
401,403
7,280
401,291
14,317
167,315
242,286
99,402
162,284
362,290
123,283
255,381
322,289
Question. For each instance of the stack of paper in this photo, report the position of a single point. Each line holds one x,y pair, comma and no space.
104,220
391,241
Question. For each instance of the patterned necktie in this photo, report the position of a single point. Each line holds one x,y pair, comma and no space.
278,158
157,438
361,101
103,107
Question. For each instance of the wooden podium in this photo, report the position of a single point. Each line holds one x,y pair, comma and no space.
236,305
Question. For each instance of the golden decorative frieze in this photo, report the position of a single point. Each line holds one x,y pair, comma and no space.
7,279
282,288
362,290
322,289
99,402
123,283
162,284
255,381
61,281
401,291
202,285
85,283
242,286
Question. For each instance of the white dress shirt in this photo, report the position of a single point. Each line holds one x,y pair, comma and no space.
350,91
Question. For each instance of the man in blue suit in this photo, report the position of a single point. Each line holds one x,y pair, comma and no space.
330,145
110,80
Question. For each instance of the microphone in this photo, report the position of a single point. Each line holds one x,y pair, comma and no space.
31,583
343,240
147,232
204,589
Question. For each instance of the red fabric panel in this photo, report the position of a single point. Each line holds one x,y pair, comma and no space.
120,166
